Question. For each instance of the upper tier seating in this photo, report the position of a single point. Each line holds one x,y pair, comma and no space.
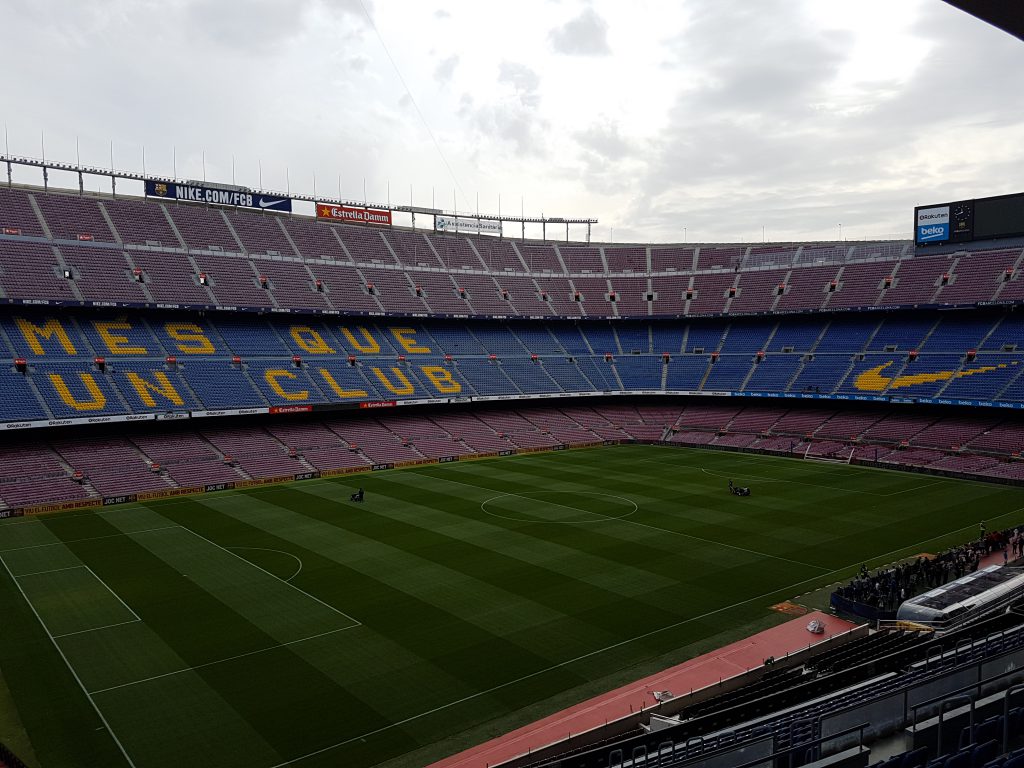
691,280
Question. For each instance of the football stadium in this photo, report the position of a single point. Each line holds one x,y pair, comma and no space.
294,479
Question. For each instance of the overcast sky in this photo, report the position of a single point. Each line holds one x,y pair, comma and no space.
722,117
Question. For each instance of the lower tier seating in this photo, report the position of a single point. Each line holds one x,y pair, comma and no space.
134,458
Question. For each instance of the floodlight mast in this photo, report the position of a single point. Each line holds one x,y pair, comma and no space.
113,174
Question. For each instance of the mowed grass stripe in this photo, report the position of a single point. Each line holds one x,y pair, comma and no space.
465,523
471,659
711,550
797,525
199,628
568,599
349,535
690,503
689,567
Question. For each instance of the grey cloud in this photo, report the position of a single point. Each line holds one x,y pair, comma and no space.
605,140
253,26
445,69
513,118
585,35
524,80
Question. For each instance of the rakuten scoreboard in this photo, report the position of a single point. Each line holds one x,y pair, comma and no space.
986,218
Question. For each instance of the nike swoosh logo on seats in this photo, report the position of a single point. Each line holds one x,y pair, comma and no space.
872,379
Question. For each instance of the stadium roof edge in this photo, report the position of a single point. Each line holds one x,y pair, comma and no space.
1009,17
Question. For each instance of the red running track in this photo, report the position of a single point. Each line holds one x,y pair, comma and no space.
690,675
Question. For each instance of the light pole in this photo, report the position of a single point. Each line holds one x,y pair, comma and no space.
684,234
840,231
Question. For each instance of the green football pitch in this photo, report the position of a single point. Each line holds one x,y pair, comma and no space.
285,626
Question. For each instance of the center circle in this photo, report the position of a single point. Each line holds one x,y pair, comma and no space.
563,507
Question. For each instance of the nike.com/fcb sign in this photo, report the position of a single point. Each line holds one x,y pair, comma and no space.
932,224
211,196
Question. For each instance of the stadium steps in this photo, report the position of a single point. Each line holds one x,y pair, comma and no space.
928,335
750,373
256,276
291,242
894,273
70,471
234,234
1009,384
476,252
707,373
779,296
430,244
375,295
615,373
33,203
39,397
248,377
519,255
162,474
565,268
72,284
728,302
936,296
619,349
797,372
110,223
174,228
829,294
1002,284
131,262
689,287
220,455
196,271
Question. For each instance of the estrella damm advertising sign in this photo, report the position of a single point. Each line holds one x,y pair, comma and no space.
353,215
241,198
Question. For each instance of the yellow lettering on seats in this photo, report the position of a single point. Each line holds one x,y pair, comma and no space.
95,404
310,340
163,387
406,389
116,343
192,340
52,327
370,345
338,389
441,379
272,375
409,344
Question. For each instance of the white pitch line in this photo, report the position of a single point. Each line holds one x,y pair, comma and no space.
52,570
634,522
90,538
71,669
355,621
116,596
221,661
97,629
280,552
